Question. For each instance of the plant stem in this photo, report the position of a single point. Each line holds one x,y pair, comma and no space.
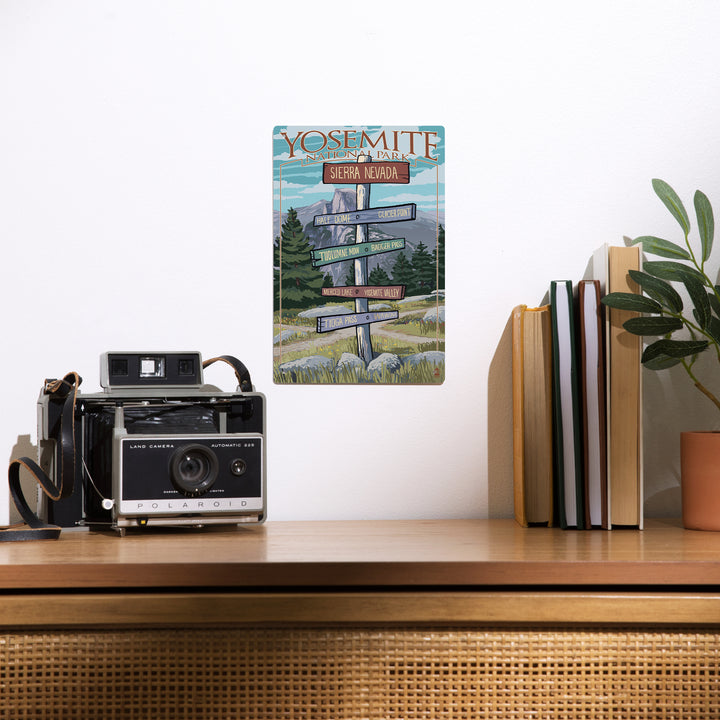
707,393
692,254
700,386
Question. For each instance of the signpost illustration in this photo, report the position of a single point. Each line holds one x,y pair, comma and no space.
377,292
357,174
392,213
337,322
326,256
362,173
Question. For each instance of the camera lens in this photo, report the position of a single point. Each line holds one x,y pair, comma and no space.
193,469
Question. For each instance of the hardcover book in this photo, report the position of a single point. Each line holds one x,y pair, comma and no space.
359,254
567,436
592,371
624,389
532,376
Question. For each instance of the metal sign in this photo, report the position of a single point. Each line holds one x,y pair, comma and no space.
338,322
391,213
338,253
376,292
366,173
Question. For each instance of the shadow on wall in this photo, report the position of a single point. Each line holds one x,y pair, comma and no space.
24,448
500,458
672,405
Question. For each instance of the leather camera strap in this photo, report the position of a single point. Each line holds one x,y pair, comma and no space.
33,528
241,372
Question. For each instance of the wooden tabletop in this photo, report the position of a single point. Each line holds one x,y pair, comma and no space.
368,554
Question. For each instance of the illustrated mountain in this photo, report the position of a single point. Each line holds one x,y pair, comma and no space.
421,230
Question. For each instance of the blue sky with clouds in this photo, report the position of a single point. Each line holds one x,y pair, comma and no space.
301,174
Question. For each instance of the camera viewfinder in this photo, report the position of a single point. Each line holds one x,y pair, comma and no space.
152,367
186,366
119,367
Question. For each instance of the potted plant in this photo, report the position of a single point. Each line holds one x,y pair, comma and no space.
698,325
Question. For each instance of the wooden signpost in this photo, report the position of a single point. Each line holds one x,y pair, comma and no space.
392,213
358,174
377,292
337,322
329,255
363,173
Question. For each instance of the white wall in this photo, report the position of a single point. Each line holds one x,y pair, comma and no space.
136,201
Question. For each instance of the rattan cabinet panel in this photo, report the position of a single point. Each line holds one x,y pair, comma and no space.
377,673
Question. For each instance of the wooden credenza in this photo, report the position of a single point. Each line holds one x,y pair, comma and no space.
377,619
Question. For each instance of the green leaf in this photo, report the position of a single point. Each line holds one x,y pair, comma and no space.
631,301
658,290
673,203
669,270
661,362
714,303
673,349
706,222
652,325
700,300
663,248
714,329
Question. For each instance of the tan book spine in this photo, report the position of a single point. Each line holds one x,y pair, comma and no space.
624,406
537,381
518,416
532,415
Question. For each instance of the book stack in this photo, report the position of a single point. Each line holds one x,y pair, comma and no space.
577,420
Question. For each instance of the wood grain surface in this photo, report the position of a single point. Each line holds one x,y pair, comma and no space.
473,554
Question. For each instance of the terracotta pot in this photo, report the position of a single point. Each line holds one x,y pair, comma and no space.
700,480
